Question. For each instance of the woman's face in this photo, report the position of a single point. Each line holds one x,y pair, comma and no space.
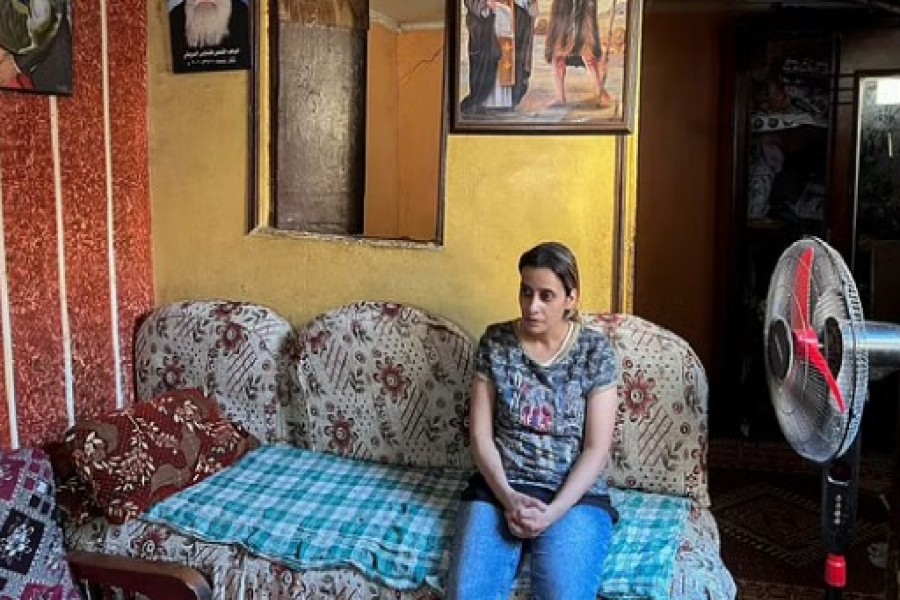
543,300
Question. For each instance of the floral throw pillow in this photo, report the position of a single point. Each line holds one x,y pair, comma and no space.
32,559
133,458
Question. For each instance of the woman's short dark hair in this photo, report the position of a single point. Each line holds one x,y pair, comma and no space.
556,257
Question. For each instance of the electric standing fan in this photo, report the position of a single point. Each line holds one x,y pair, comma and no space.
820,354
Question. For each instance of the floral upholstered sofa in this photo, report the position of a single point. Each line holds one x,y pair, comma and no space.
361,417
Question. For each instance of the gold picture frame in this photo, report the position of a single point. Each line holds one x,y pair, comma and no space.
523,66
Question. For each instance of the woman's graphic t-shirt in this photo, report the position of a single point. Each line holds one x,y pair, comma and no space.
540,408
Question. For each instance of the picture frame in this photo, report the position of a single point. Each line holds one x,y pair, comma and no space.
36,48
513,68
209,36
334,66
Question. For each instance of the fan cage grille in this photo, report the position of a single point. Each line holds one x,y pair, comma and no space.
807,411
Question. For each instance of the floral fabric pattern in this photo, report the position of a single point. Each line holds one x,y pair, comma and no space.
133,458
242,354
385,382
661,433
32,558
388,382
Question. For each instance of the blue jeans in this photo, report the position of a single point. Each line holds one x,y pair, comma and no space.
566,559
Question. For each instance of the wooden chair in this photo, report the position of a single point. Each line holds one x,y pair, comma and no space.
96,574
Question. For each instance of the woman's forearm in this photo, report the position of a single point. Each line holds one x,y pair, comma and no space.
598,435
481,435
487,460
587,469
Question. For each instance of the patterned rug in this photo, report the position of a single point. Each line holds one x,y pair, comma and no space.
768,507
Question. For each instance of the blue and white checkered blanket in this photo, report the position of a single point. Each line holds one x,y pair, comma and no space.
312,510
641,561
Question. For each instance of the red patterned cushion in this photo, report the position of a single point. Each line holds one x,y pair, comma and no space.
75,502
133,458
32,559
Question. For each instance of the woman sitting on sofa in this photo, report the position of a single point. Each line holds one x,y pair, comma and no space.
542,413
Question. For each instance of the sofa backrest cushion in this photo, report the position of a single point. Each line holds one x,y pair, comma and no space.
387,382
32,558
661,437
242,354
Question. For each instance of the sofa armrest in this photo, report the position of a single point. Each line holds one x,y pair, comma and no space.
156,580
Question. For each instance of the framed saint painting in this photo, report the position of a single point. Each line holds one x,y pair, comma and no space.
36,46
523,66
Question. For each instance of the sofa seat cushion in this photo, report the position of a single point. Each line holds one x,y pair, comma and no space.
699,570
310,511
135,457
32,558
641,561
235,572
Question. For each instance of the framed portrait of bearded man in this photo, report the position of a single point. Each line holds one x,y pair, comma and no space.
209,35
533,66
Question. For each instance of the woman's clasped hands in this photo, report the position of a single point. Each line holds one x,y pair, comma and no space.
527,517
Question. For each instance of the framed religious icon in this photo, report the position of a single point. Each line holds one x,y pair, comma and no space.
36,46
209,35
532,66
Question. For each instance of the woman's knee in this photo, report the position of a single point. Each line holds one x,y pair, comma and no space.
567,561
485,556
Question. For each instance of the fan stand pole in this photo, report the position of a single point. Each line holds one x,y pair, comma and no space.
840,487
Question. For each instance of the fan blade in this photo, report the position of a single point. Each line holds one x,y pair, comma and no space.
808,344
800,318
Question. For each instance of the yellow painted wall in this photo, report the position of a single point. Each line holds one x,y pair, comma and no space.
503,195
